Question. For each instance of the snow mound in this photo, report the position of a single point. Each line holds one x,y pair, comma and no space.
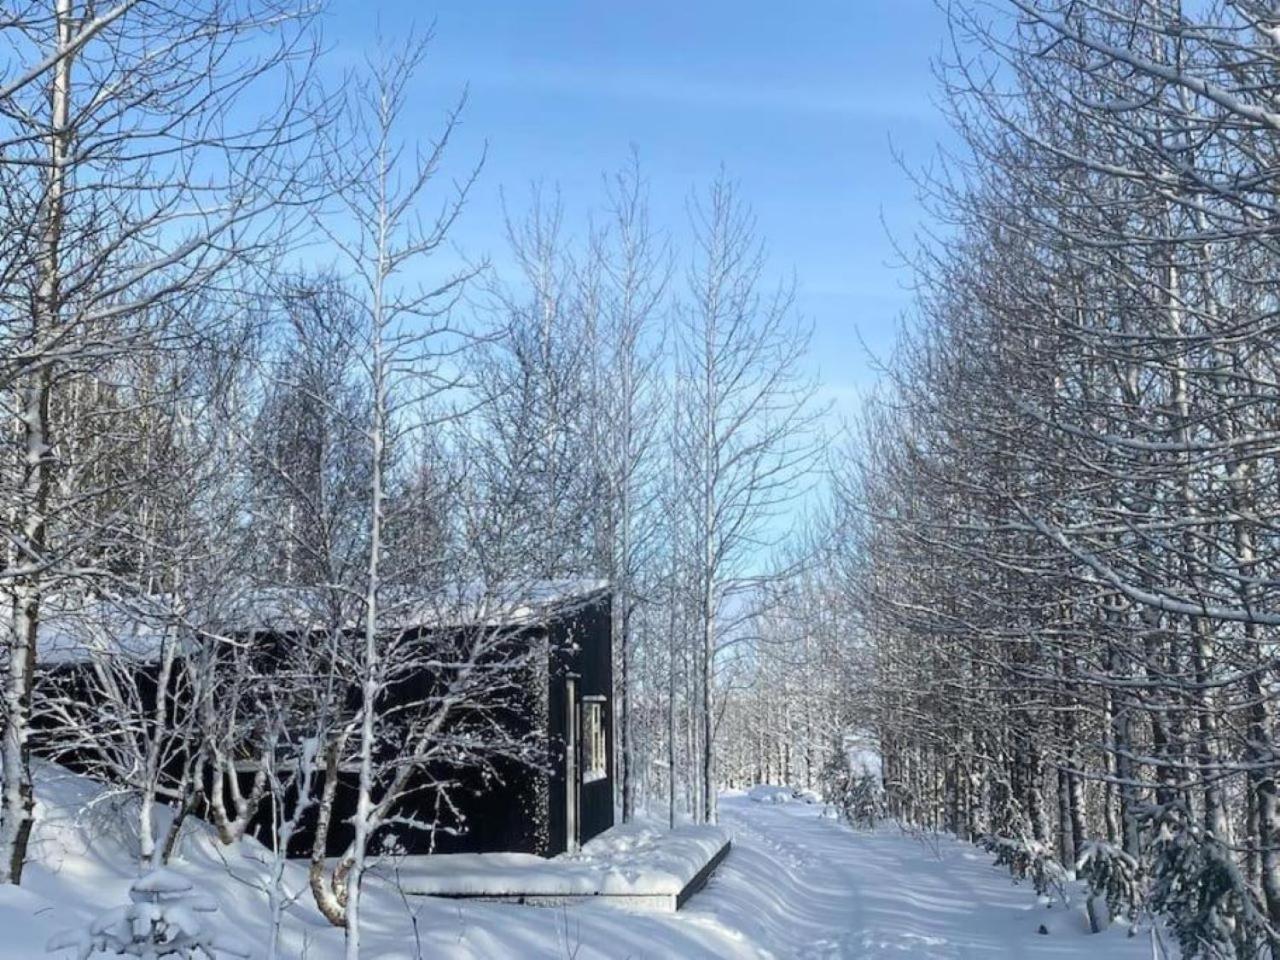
161,921
764,793
796,886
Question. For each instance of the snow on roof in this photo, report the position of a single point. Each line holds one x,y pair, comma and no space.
73,629
492,605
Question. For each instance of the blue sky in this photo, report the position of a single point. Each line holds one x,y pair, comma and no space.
800,102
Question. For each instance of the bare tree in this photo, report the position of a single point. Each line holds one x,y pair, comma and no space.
409,347
746,428
534,377
626,415
1056,502
128,192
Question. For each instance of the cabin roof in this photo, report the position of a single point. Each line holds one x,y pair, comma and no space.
74,628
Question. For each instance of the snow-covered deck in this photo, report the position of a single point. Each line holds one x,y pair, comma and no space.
635,866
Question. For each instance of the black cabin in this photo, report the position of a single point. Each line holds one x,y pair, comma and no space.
545,807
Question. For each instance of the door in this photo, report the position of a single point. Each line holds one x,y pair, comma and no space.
572,773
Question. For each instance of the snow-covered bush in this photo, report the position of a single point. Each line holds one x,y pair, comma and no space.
855,792
165,919
767,793
1114,876
1029,859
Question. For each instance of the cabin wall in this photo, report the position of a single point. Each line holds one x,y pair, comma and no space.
496,816
492,809
582,645
516,807
596,667
79,681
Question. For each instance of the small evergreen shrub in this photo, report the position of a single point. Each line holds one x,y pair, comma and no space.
164,920
1197,887
857,795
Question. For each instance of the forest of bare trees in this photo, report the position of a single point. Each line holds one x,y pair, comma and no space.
1057,524
242,375
1028,596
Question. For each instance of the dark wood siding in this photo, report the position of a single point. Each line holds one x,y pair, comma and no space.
581,644
498,817
492,810
518,806
596,667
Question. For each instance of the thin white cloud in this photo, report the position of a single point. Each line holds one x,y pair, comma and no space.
795,98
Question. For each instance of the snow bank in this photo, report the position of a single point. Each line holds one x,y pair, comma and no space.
768,793
83,864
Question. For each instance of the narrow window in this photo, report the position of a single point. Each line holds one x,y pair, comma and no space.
595,764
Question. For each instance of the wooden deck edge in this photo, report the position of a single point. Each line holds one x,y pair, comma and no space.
656,902
648,902
702,876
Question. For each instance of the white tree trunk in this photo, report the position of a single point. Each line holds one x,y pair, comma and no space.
18,798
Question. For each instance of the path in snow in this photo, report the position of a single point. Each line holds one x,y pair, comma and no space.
800,886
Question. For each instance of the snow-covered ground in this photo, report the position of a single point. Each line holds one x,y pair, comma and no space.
796,885
800,885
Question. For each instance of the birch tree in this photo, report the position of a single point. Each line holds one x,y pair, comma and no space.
1056,500
533,430
127,191
411,349
626,408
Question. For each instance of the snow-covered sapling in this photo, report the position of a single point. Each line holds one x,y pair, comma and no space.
857,794
1113,876
1201,892
165,919
1026,858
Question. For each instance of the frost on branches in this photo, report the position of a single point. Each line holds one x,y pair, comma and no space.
165,919
1029,859
1112,876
